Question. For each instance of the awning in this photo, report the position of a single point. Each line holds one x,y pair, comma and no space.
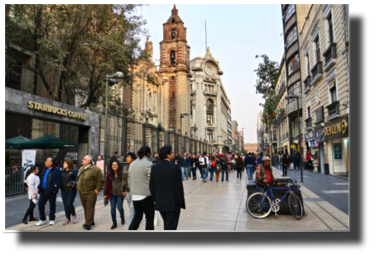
296,141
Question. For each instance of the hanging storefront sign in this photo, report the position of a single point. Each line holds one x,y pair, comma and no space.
55,110
28,159
309,136
337,128
337,151
312,143
319,135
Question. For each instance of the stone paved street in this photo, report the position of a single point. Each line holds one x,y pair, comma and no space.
219,206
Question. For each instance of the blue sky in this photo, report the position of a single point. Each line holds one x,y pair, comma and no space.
235,34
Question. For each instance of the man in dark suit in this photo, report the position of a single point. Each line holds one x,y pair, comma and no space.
166,188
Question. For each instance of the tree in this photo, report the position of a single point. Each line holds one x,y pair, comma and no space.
79,43
268,73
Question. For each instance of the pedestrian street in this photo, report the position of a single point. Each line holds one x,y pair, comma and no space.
217,206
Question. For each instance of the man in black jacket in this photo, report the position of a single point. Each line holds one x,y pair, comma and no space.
166,188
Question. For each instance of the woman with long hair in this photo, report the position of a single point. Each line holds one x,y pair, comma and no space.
113,192
68,190
239,166
32,181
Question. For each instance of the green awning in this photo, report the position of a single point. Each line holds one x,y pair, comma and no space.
47,141
15,142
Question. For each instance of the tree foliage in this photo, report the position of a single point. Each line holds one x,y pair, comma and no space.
79,44
267,73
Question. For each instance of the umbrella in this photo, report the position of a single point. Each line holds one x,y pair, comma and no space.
47,141
15,142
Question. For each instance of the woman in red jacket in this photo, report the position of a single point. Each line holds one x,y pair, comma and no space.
309,161
113,192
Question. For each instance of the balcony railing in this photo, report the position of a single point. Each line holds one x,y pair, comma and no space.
308,123
292,106
330,56
193,92
333,110
316,72
210,93
307,84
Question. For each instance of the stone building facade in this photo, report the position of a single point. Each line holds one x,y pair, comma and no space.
209,104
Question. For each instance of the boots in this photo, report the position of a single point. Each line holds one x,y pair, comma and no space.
122,220
114,225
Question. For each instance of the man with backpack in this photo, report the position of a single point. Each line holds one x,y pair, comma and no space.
224,168
203,162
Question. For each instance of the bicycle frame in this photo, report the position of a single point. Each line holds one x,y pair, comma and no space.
271,195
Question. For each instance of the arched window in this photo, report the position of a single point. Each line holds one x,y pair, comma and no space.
209,109
172,58
173,20
173,34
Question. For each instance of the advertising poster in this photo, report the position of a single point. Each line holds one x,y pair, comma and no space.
28,159
337,151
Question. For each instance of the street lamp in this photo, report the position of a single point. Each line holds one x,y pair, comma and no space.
300,140
181,132
108,81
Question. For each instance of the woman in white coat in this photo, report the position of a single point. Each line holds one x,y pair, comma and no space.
32,180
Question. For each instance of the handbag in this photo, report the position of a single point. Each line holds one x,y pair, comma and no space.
218,168
106,201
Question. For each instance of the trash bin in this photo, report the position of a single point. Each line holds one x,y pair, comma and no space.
279,193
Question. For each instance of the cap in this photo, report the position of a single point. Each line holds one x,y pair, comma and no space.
266,158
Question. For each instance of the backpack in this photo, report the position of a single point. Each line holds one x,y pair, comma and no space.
229,157
223,162
213,164
203,161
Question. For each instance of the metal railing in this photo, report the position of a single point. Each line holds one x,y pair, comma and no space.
14,181
211,93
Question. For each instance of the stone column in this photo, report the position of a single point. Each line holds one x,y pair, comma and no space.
130,132
147,134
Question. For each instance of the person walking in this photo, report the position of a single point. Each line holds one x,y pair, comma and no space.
89,183
218,166
177,158
68,190
233,163
194,164
32,182
249,165
48,189
156,159
113,192
100,163
143,203
114,158
239,166
125,186
309,157
285,164
224,168
259,159
212,167
203,161
297,160
166,189
184,165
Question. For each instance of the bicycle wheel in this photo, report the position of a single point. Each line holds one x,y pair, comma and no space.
258,205
296,207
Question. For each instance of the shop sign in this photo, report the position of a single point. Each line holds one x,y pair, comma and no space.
309,135
312,144
320,135
337,151
293,146
336,129
55,110
319,113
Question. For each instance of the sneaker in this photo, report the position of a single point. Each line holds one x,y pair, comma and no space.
66,222
74,219
41,222
52,222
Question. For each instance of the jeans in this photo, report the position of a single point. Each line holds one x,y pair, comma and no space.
204,173
131,207
265,204
184,172
211,171
224,170
249,170
146,206
117,200
42,202
68,202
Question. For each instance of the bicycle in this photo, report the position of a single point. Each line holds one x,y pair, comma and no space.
260,205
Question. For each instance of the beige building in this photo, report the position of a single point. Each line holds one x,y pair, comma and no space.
323,42
209,103
251,147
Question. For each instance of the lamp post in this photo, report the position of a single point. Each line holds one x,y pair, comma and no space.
300,140
118,75
181,131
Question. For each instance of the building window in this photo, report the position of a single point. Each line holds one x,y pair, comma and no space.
209,118
288,12
308,68
317,50
333,94
294,64
172,58
291,37
210,135
308,112
329,30
209,109
294,90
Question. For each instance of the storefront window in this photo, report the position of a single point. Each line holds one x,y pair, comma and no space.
291,37
294,64
288,13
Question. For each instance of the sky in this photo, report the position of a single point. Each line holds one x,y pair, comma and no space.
235,35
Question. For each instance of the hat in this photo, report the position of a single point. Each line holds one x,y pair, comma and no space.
266,158
222,154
